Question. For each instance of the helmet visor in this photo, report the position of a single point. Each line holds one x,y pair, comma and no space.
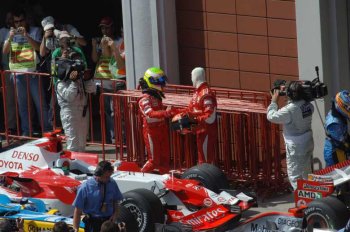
158,81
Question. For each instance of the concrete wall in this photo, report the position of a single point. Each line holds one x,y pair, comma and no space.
323,40
150,38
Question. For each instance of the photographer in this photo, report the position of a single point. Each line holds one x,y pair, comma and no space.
106,54
336,147
21,45
72,89
296,119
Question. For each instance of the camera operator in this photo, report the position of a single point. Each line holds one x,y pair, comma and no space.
296,119
72,89
337,142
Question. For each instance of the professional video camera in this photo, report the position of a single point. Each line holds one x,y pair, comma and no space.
66,65
310,90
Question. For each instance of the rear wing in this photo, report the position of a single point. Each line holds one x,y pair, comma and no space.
321,183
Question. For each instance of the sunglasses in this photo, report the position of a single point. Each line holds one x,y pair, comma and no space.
18,21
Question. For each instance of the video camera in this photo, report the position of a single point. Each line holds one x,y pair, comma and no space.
310,90
66,65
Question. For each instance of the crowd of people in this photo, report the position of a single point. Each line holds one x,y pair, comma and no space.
58,50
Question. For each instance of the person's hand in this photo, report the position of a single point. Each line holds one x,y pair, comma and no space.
275,95
104,41
48,33
94,42
122,226
12,33
20,223
73,75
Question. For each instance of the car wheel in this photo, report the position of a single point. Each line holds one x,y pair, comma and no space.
208,175
326,213
217,174
146,208
128,218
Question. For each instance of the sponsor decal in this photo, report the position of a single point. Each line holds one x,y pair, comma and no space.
309,194
221,199
207,202
301,202
263,228
25,156
11,164
315,188
189,185
319,178
206,217
288,222
197,187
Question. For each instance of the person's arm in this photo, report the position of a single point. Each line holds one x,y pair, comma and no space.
68,90
209,106
76,219
7,45
31,41
148,111
43,50
116,53
94,53
116,213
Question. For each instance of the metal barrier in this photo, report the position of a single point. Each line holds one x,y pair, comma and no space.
39,102
248,145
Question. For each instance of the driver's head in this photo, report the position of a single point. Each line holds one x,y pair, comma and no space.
197,76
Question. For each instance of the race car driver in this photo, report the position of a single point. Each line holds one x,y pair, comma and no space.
336,146
202,111
155,127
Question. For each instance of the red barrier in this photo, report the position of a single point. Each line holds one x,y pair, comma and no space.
28,75
248,145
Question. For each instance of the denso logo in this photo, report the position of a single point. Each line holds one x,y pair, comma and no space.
316,188
25,156
206,217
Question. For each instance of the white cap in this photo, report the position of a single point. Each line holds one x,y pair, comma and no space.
63,34
48,23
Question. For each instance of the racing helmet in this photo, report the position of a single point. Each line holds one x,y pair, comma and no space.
155,78
342,103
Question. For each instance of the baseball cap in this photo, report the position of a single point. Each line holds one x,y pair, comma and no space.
106,21
48,23
63,34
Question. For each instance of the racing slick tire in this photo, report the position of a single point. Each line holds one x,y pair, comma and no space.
326,213
146,208
208,175
129,219
217,174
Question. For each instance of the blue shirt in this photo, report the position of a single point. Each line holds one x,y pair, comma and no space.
89,197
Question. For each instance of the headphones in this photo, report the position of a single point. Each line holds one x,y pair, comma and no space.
103,167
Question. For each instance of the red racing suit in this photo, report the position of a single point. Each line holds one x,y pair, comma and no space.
203,108
155,130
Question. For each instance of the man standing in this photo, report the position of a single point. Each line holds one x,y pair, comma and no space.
202,110
296,118
22,43
154,115
98,198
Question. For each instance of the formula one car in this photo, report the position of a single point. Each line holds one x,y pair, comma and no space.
40,170
33,212
41,167
37,169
